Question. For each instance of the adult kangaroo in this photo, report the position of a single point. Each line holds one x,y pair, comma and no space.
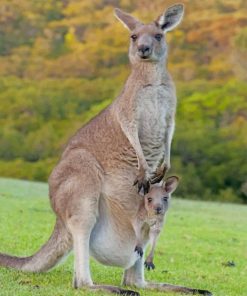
91,188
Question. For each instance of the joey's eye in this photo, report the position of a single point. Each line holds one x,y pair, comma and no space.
158,37
165,198
133,37
150,199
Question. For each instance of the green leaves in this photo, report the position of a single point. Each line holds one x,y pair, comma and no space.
62,62
211,142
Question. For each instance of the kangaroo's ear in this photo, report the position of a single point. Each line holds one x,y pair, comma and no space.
171,17
171,184
126,19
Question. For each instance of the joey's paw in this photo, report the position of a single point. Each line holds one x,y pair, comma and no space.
142,182
159,174
139,250
149,265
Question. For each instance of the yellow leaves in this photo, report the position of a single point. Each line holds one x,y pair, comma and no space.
220,29
87,37
77,7
219,67
41,47
70,38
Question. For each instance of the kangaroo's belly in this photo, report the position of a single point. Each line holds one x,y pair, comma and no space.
113,239
109,249
155,114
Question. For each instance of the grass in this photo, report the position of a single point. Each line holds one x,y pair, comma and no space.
198,239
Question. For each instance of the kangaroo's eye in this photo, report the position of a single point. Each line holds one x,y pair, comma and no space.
158,37
165,198
150,199
133,37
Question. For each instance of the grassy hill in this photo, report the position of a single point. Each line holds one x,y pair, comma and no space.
198,241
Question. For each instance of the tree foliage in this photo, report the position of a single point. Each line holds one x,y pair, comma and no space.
62,61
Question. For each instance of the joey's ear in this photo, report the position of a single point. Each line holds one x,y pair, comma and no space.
126,19
171,17
171,184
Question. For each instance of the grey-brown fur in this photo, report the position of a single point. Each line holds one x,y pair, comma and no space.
152,214
91,188
58,245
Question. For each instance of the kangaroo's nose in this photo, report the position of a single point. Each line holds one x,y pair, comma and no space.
144,51
158,210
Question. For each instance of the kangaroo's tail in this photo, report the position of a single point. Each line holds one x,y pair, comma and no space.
58,245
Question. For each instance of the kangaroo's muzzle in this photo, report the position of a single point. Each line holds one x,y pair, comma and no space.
144,51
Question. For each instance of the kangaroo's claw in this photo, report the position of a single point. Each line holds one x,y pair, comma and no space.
128,292
142,182
139,250
149,265
159,174
156,179
203,292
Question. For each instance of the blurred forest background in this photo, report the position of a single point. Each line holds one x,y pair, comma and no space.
62,61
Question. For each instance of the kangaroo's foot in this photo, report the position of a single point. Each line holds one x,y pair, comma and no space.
114,290
149,265
139,250
173,288
78,283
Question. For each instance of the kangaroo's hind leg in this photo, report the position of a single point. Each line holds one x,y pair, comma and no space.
76,186
134,276
80,224
75,189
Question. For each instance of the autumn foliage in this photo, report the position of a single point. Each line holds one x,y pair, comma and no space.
62,61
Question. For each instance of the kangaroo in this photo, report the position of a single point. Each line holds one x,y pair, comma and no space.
91,188
151,215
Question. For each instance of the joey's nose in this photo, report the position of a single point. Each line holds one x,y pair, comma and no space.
158,210
144,51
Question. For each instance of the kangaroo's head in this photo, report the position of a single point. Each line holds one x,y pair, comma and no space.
147,41
157,199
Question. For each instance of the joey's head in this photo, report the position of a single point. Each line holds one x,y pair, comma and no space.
147,41
157,199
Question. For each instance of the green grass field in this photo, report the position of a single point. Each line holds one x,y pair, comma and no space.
199,238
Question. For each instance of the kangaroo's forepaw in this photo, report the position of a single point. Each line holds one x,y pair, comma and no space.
142,182
159,174
149,265
139,250
157,179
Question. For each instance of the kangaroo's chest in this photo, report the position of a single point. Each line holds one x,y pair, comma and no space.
155,112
